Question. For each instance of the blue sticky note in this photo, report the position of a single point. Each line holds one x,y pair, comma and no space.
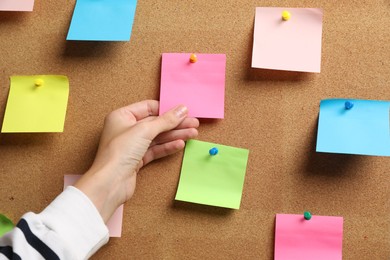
363,128
102,20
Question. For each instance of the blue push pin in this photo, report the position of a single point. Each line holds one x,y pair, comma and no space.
348,105
213,151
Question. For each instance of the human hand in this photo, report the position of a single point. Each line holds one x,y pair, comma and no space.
132,137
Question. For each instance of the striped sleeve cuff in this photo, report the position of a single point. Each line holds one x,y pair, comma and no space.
76,221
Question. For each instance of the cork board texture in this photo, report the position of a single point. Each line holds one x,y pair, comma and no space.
274,114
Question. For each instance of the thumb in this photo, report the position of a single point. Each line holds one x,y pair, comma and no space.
168,121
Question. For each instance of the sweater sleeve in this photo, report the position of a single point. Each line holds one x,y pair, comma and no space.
69,228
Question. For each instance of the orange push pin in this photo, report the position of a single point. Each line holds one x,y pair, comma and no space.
286,15
193,58
39,82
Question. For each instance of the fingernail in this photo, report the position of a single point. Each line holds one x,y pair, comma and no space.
181,111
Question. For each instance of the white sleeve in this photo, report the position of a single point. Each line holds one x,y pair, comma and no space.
69,228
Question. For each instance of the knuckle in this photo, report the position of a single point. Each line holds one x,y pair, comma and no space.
109,117
143,127
169,120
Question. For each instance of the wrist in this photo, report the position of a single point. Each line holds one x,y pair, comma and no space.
102,188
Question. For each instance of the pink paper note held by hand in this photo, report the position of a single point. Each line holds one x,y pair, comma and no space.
197,82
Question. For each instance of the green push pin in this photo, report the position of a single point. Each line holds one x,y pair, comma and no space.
307,215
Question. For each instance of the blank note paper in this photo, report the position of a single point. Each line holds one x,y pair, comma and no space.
102,20
293,45
319,238
31,108
6,225
363,129
16,5
200,85
212,180
114,224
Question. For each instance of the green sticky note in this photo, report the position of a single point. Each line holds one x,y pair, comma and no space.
215,180
5,225
36,104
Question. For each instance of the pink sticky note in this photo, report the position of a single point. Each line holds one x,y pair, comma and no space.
114,224
293,45
16,5
200,86
319,238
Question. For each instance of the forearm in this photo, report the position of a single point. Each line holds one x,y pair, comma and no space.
69,228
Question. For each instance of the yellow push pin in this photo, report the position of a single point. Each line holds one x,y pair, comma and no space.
193,58
38,82
286,15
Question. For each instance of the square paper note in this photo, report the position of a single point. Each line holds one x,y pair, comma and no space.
31,108
102,20
16,5
114,224
212,180
293,45
363,129
320,238
200,85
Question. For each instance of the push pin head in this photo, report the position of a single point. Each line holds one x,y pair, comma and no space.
286,15
307,215
193,58
38,82
348,105
213,151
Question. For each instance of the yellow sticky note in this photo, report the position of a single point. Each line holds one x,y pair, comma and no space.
33,107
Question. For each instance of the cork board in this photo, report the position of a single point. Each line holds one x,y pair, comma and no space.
272,113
